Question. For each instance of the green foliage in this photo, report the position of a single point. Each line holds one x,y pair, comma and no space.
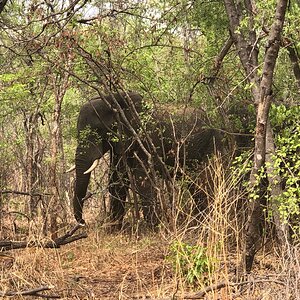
192,261
285,164
286,120
292,20
87,135
72,102
13,93
241,167
211,17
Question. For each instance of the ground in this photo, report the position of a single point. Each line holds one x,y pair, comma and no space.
127,266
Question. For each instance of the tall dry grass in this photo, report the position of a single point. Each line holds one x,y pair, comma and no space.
140,264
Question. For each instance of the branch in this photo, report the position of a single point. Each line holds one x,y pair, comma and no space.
272,49
56,243
248,55
32,292
24,193
217,63
219,59
159,45
114,13
294,58
219,286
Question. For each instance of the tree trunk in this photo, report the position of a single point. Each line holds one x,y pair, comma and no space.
294,58
262,103
60,89
33,158
262,96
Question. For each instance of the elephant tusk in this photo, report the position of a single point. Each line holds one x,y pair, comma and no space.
71,169
92,167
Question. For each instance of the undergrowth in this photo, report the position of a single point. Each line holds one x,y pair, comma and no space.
196,252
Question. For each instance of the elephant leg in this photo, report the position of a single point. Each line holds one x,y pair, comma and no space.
148,195
200,198
118,189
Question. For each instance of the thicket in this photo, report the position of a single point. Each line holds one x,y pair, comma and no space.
56,55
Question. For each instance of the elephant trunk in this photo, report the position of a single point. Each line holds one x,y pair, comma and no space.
81,184
84,160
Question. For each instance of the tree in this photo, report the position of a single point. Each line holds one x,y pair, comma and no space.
241,15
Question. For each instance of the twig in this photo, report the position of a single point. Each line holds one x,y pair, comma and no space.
32,292
56,243
47,296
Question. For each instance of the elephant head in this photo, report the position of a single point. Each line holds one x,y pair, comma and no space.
104,124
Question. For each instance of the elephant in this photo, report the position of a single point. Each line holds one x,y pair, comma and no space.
145,141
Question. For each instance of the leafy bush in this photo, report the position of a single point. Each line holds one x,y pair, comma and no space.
191,261
286,121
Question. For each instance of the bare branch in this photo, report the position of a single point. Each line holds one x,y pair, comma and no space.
32,292
294,58
220,57
25,193
221,285
56,243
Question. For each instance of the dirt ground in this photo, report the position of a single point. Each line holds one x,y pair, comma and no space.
122,269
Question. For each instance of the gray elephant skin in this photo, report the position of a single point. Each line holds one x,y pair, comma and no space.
146,142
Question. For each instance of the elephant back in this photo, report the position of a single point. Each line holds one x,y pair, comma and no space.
182,134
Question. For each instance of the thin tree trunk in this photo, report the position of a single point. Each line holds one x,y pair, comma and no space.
33,156
262,103
60,89
294,58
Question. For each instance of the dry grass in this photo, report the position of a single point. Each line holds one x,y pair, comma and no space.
139,265
100,267
123,267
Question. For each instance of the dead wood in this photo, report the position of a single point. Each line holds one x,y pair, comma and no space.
33,292
67,238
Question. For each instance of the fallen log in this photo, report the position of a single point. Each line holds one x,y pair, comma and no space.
67,238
